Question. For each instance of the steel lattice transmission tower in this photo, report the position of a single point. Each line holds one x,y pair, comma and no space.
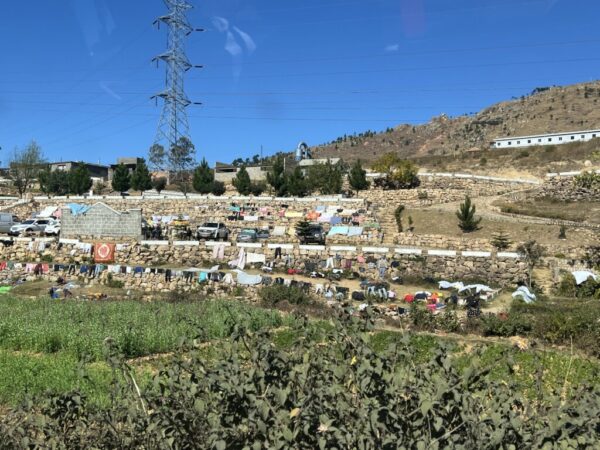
174,120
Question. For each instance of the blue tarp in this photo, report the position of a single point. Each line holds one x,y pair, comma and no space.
77,209
338,230
355,231
335,220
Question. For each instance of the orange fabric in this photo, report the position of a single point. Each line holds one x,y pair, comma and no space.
104,253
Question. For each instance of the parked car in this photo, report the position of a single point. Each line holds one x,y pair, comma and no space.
7,221
53,228
313,234
248,235
212,230
263,234
30,226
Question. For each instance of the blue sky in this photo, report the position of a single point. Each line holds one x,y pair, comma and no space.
76,74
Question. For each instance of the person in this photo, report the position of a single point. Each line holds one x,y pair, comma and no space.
67,293
382,265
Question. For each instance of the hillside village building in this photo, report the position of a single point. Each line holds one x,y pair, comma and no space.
546,139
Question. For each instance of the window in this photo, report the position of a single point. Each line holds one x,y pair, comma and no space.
572,138
593,135
539,140
529,141
583,136
518,142
560,138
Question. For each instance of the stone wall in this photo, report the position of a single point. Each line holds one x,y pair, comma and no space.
565,189
501,269
103,222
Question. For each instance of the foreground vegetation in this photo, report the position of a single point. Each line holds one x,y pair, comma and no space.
324,387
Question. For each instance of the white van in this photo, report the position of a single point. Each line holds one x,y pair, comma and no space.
6,221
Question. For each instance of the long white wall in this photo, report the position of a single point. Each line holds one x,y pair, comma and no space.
546,139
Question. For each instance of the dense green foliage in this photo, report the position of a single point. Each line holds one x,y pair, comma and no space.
296,184
58,182
357,177
466,216
25,166
121,181
588,180
326,178
218,188
136,328
242,181
276,176
80,181
398,217
140,178
276,295
532,252
350,393
159,184
397,173
204,178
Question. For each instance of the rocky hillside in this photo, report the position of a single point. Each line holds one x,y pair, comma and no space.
545,110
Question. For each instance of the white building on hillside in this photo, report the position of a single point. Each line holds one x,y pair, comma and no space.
545,139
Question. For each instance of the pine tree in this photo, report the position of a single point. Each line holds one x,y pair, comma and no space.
276,176
218,188
204,178
121,181
358,177
242,181
302,228
44,180
296,184
141,179
80,181
501,241
466,216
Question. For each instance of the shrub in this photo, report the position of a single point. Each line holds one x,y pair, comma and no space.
218,188
514,324
466,216
398,216
345,393
276,294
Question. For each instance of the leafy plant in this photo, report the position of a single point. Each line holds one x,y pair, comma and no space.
398,217
533,253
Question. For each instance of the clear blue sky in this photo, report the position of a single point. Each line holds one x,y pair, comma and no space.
76,75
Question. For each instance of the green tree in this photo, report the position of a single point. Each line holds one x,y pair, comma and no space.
59,182
157,157
326,178
218,188
302,228
204,178
44,179
242,181
501,241
121,181
159,183
297,185
397,173
357,177
80,181
25,166
466,216
182,156
140,178
532,252
276,176
257,188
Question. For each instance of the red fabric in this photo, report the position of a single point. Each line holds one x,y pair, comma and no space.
408,298
104,253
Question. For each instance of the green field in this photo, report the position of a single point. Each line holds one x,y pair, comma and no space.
42,343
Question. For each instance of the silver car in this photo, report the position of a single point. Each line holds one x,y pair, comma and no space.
30,226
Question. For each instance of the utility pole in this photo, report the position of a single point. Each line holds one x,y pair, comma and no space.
174,123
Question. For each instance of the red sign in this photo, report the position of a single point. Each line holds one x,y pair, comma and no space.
104,253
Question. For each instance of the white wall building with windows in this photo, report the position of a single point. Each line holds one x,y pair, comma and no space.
546,139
